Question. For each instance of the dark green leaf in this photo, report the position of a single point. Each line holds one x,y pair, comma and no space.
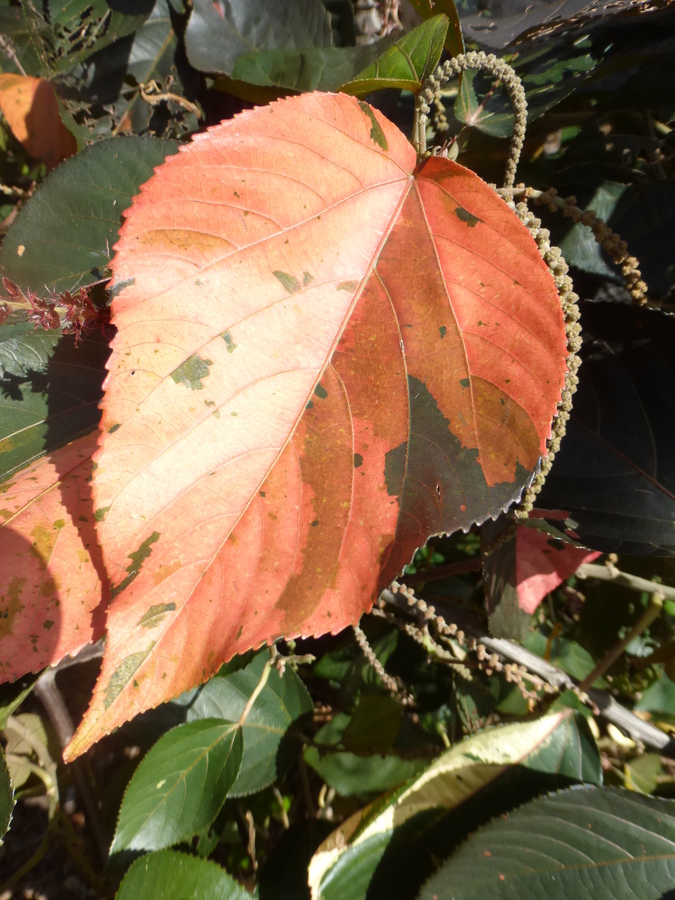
63,237
49,391
180,785
21,53
350,774
584,842
282,700
219,33
407,64
615,472
169,875
454,42
317,69
374,726
568,655
6,797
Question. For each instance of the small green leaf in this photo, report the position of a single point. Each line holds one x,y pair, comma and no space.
603,843
169,875
180,785
63,237
407,64
454,42
13,695
282,700
6,797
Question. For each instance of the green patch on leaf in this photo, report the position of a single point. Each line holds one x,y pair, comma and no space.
358,460
231,346
464,382
347,286
137,558
442,330
320,392
100,513
291,284
124,673
191,372
465,216
376,132
306,278
394,469
154,616
113,428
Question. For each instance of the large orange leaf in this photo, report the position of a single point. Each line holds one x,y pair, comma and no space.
325,355
51,600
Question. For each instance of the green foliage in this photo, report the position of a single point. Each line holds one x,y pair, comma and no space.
6,797
169,875
591,838
180,786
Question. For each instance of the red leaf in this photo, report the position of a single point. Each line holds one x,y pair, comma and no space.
32,112
325,355
542,565
53,605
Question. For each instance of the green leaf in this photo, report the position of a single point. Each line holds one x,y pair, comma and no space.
180,785
169,875
407,64
49,391
357,854
659,697
13,28
585,842
643,773
13,695
6,797
282,700
454,42
219,33
568,655
317,69
374,726
63,237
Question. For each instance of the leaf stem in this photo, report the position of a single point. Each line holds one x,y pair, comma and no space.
256,691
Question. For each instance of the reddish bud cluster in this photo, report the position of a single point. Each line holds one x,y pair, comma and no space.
73,313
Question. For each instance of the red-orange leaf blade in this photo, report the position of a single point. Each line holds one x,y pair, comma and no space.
323,358
51,603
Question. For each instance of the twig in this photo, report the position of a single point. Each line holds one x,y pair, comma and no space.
612,711
10,53
625,579
50,696
151,94
652,613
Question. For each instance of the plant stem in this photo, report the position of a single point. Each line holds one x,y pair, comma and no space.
256,692
625,579
652,613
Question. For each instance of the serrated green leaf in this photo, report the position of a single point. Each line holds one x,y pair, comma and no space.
50,389
63,237
219,33
169,875
6,797
584,842
180,785
282,700
407,64
347,862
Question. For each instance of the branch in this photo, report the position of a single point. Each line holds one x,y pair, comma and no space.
608,572
613,712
